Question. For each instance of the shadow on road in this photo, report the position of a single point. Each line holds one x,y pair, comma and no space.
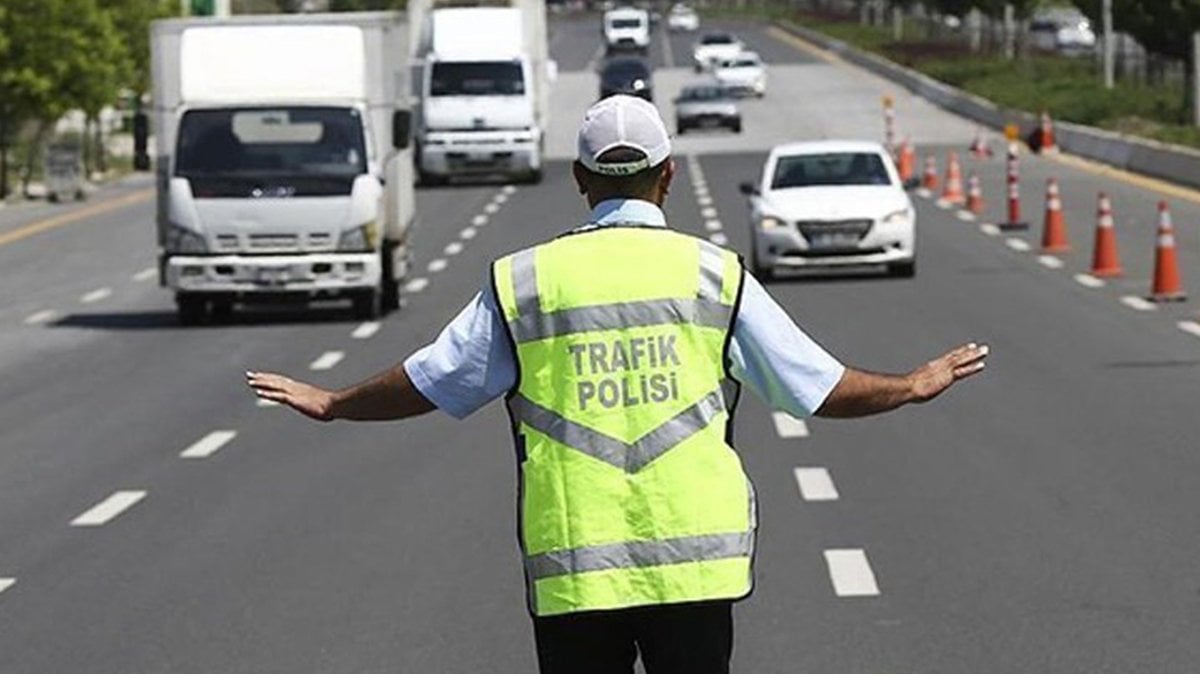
167,320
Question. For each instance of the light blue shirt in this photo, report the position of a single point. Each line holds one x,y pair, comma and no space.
471,362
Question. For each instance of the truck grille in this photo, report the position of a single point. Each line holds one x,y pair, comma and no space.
274,242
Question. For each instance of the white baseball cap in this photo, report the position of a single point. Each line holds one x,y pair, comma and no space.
622,122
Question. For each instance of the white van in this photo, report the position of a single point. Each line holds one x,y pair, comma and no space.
627,29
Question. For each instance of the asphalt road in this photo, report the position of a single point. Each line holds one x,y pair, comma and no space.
1040,518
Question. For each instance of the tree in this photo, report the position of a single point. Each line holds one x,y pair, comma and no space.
132,19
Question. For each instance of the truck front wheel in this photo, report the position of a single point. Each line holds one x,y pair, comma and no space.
368,305
191,309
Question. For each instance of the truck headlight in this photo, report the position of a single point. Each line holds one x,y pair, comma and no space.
359,239
768,222
181,240
900,217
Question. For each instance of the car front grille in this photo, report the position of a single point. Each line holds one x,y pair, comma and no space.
812,228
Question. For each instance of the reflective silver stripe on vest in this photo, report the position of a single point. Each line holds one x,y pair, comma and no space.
712,271
532,326
638,554
630,457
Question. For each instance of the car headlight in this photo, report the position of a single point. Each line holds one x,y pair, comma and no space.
899,217
359,239
769,222
185,241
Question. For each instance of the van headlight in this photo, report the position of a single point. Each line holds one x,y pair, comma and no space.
359,239
900,217
184,241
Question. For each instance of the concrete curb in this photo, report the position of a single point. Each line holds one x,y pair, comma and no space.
1174,163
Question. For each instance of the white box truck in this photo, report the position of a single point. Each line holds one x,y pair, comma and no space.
282,159
484,75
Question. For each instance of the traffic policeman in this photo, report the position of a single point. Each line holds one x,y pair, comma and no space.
620,347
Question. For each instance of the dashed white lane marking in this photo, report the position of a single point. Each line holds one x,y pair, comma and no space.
263,402
719,239
944,205
701,191
96,295
966,216
491,208
145,274
712,225
208,445
788,426
1050,262
1088,281
704,201
700,184
467,233
436,265
1190,327
923,193
6,583
509,190
453,248
708,212
366,330
108,509
43,316
500,198
1020,245
416,285
989,229
1137,304
815,484
479,220
851,573
327,360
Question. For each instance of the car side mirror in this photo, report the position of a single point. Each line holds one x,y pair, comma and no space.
141,136
749,189
401,128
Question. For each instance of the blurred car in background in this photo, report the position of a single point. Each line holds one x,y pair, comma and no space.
626,29
743,75
1062,29
627,75
683,18
830,204
706,105
713,48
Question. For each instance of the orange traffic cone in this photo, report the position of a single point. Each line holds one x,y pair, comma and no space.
1054,228
980,148
953,192
929,180
1105,262
974,195
907,166
1167,286
1046,142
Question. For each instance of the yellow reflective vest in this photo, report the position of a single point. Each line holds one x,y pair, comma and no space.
631,494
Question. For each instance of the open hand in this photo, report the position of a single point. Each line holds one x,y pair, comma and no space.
929,380
311,401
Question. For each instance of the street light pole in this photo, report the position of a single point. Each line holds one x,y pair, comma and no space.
1106,14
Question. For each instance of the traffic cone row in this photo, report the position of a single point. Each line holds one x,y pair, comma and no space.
1167,285
1054,227
929,179
974,195
953,192
1105,261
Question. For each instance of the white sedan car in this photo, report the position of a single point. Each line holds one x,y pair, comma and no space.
743,75
683,18
713,48
831,204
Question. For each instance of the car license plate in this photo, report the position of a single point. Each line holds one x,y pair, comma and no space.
833,240
273,276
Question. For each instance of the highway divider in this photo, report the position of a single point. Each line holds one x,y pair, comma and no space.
1173,163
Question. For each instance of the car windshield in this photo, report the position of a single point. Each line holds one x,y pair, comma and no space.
477,78
625,23
317,142
717,39
703,94
742,63
840,168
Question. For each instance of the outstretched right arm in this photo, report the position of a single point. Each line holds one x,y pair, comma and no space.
387,396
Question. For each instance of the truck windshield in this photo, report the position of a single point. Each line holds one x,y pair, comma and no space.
477,78
299,142
625,23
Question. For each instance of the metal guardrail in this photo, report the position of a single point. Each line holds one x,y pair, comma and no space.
1174,163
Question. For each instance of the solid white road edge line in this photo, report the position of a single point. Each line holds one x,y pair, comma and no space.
815,484
145,274
416,285
851,573
43,316
6,583
1190,327
1137,303
1089,281
96,295
1019,245
208,445
453,248
788,426
108,509
327,360
436,265
366,330
1050,262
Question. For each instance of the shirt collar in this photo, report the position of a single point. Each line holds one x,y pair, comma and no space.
627,212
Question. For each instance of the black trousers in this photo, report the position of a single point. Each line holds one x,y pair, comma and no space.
692,638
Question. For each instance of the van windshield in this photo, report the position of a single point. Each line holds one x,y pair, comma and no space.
842,168
625,23
477,78
275,142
